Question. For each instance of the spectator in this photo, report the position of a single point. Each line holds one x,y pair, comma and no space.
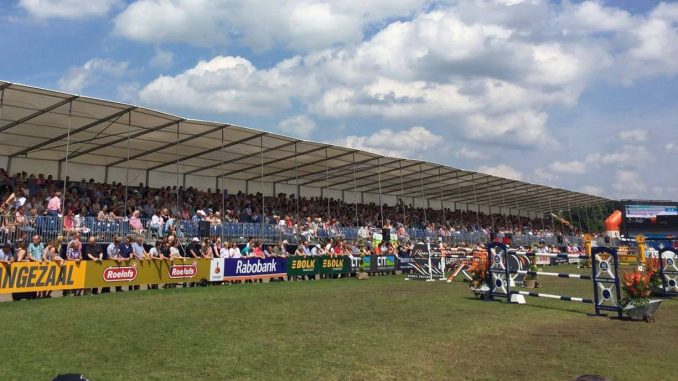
54,205
92,252
135,223
74,253
36,250
6,255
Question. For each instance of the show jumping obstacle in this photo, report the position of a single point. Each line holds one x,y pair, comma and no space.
668,270
605,265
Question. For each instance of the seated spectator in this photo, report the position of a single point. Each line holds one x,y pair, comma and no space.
135,223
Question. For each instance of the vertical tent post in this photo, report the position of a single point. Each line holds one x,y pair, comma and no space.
553,222
503,203
421,181
263,203
442,205
381,203
475,200
68,144
327,183
296,180
177,169
489,194
402,193
223,188
543,225
588,221
129,130
355,191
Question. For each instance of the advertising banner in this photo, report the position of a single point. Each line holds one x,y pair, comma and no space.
300,266
110,273
405,262
332,265
325,264
217,270
253,268
383,263
34,276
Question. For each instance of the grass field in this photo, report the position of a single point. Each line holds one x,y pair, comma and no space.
383,328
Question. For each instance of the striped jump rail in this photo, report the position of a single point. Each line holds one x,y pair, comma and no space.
604,277
551,296
550,255
559,275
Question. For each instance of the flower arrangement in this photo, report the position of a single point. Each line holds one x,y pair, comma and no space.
652,267
478,273
637,287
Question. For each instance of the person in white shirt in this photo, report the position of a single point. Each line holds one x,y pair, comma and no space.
234,251
157,223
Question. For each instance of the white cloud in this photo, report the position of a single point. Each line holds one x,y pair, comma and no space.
544,175
624,156
297,25
592,189
671,147
636,135
68,9
471,154
299,126
79,77
501,170
574,167
629,183
162,59
413,142
523,128
225,85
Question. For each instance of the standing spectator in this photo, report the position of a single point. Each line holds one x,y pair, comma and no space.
155,254
139,252
127,253
113,253
74,253
54,205
92,252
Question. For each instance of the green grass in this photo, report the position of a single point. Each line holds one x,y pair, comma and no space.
383,328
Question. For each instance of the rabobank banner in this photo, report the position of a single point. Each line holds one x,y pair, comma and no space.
252,268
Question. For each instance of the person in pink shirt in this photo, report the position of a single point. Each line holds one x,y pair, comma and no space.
54,205
135,222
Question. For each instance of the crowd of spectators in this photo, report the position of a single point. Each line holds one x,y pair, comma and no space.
37,195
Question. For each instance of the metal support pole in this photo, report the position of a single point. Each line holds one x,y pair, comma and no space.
263,203
553,222
381,203
68,144
421,181
327,183
489,194
177,169
543,224
442,205
296,181
475,200
355,193
402,194
223,188
588,221
503,204
129,131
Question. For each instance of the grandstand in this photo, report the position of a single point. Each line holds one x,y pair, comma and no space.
130,152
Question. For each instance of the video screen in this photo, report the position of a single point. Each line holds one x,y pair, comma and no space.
651,220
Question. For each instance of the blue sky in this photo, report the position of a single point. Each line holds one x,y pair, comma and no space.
576,94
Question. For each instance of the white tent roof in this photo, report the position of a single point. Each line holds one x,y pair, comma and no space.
34,123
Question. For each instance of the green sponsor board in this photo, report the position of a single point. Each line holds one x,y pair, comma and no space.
298,266
332,265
